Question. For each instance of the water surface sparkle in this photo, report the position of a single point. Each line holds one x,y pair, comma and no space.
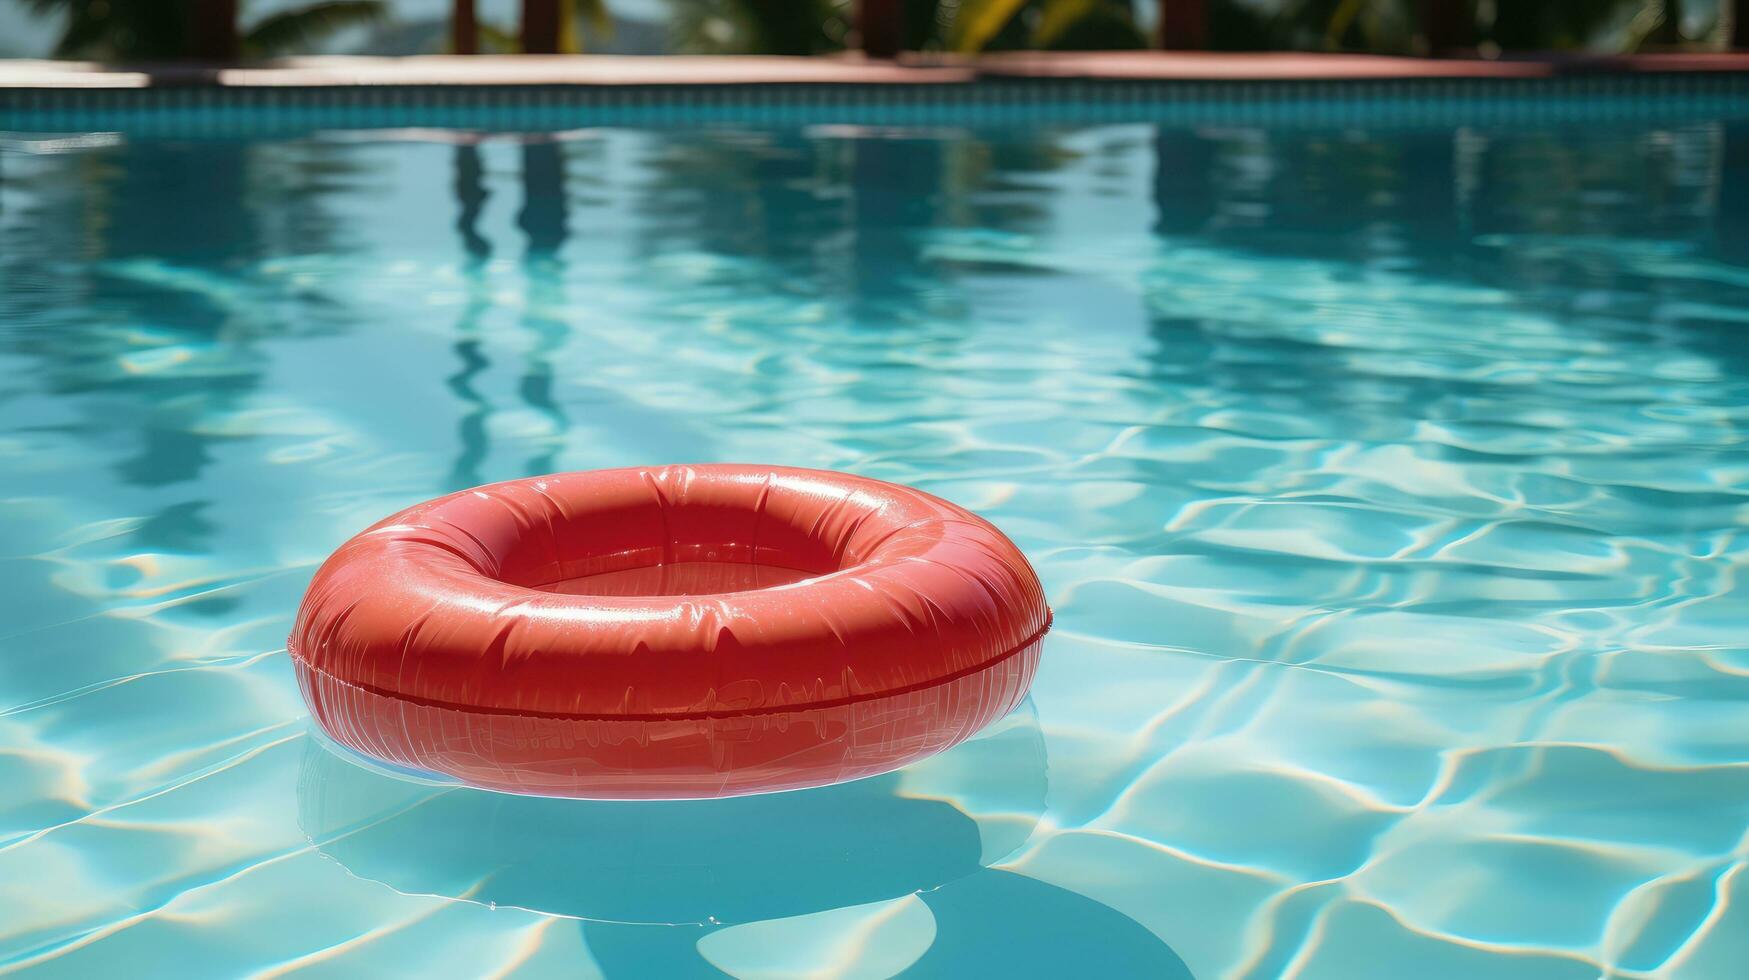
1386,486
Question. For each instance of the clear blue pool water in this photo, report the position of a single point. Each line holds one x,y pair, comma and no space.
1389,486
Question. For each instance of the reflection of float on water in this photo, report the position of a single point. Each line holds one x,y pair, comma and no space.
715,755
719,861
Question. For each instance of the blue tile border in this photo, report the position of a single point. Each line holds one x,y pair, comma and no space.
193,112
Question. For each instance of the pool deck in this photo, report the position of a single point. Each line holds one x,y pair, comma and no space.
608,70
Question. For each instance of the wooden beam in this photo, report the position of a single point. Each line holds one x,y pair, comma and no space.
1184,25
880,27
212,30
464,28
1448,25
542,24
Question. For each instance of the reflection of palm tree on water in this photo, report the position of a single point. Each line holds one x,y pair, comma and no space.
1733,203
543,219
182,296
1721,338
470,192
195,292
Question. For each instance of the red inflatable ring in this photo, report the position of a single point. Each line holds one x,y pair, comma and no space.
685,631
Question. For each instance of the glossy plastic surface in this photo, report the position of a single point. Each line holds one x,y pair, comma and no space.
681,631
670,758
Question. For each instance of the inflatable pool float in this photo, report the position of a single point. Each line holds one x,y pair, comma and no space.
684,631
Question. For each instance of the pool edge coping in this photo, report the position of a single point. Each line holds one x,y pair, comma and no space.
694,71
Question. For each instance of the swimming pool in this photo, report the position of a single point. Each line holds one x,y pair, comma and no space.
1386,480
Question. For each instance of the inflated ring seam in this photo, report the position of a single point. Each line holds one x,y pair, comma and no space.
680,715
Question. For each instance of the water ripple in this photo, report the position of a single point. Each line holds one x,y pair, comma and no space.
1387,488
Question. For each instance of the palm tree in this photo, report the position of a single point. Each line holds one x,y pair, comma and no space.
194,29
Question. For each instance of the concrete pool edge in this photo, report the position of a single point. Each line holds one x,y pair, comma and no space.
535,95
684,71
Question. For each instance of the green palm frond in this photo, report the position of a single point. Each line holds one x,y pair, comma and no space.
584,17
84,36
595,14
108,31
498,40
1074,24
758,26
1340,21
1059,17
303,27
1550,26
977,22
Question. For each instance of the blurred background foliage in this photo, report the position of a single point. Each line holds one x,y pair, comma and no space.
137,30
120,30
1377,26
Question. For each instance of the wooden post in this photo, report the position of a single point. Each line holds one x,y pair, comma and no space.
212,30
541,26
1448,25
880,25
464,28
1740,24
1184,25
